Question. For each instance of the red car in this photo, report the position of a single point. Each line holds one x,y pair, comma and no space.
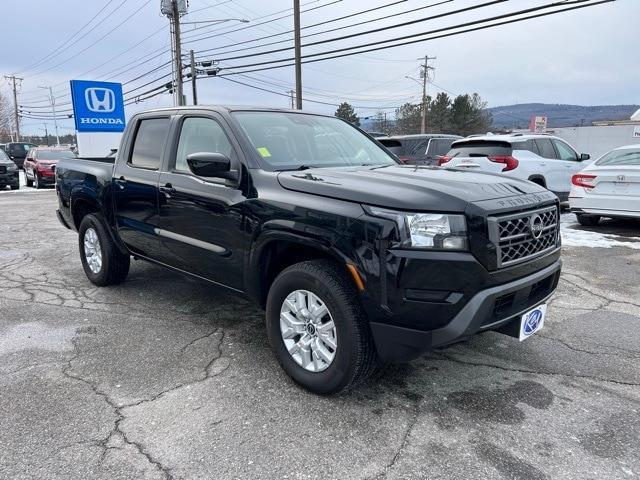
40,163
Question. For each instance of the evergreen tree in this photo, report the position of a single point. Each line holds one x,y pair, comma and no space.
346,112
439,115
469,115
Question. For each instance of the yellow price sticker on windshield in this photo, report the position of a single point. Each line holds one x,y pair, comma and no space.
264,151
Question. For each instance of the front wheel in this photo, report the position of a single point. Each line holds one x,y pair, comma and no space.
103,263
36,181
317,328
588,220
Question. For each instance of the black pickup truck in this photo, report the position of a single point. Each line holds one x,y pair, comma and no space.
357,259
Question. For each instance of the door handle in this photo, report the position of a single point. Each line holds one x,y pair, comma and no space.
168,190
121,182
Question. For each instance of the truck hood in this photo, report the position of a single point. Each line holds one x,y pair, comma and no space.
406,187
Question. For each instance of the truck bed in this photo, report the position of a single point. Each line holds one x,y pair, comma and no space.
84,179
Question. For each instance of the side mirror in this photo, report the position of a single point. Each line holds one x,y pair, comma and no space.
584,156
210,164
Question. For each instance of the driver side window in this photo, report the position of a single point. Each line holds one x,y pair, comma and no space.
565,152
199,134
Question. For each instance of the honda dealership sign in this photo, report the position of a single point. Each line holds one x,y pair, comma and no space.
97,106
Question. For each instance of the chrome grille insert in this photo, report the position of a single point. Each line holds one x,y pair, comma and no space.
524,235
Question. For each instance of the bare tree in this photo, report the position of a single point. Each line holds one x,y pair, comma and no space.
6,118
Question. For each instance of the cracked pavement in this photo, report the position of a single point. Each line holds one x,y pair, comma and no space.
167,377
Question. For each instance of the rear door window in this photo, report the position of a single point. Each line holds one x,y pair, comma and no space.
418,148
545,147
149,142
394,146
528,145
480,148
439,146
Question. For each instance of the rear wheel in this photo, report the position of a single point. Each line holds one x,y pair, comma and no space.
318,329
588,220
102,261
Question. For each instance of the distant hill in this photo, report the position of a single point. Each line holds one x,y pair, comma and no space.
517,116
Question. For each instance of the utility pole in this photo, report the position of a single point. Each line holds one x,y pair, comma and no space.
292,95
174,16
46,133
52,99
298,55
13,79
425,75
193,77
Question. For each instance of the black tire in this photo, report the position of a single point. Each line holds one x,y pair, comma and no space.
29,181
588,220
355,356
36,181
115,264
15,187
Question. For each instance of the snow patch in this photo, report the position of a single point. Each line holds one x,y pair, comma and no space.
573,235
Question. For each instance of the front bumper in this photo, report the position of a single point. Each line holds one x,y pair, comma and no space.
489,309
606,206
9,178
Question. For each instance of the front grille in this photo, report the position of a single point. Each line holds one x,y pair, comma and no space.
525,235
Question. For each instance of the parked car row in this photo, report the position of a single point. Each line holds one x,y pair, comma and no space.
419,149
17,151
608,187
40,164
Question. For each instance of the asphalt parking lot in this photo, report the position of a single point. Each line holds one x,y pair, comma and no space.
167,377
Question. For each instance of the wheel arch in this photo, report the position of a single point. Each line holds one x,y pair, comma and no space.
277,250
538,179
83,204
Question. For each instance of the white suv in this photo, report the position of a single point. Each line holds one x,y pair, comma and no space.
542,159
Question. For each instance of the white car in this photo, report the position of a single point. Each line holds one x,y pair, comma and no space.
543,159
609,187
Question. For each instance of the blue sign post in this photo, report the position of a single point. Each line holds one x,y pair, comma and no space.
97,106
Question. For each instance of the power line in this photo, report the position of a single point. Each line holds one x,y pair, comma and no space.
63,44
307,99
191,39
368,32
109,32
323,23
385,47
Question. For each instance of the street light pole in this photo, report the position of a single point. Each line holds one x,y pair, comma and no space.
52,99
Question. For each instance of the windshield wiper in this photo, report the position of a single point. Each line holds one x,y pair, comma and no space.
298,168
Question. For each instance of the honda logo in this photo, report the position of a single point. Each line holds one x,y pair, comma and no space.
621,178
100,100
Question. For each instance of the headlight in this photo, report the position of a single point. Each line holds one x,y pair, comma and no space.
438,231
12,168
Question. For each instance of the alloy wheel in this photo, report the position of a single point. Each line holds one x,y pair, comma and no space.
308,330
92,251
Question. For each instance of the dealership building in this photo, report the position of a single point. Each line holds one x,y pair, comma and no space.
602,136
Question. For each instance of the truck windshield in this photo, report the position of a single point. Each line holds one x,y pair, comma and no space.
289,141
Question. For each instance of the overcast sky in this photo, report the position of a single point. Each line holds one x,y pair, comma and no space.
586,57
